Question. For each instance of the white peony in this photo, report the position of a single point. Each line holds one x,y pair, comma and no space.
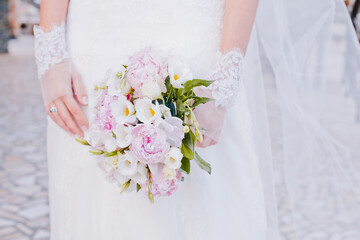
146,111
123,135
169,173
173,158
127,164
151,90
179,72
123,111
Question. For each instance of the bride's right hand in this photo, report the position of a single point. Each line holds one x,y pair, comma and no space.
61,83
63,89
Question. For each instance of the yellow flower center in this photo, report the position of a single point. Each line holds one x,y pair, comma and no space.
128,162
176,77
127,111
152,112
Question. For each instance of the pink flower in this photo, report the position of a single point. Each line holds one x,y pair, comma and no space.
104,118
149,144
162,186
149,69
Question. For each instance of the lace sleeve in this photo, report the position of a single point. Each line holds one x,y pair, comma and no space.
53,63
227,77
50,47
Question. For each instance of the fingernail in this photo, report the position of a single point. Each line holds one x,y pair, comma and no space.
84,100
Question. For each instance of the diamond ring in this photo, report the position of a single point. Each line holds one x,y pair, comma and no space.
53,109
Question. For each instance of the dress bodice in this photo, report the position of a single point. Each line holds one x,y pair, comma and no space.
112,30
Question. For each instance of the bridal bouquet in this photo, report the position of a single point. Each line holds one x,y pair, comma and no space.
144,131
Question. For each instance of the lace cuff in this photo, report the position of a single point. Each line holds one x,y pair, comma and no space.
50,47
227,77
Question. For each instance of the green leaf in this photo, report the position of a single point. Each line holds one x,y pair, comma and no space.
187,146
185,165
200,100
180,108
196,83
202,163
168,84
179,92
125,186
96,151
82,141
138,187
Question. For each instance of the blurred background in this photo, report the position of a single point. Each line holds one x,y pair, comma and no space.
24,212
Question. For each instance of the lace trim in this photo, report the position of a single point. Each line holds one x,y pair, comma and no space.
227,77
50,47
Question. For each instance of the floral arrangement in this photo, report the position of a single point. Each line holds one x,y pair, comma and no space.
144,131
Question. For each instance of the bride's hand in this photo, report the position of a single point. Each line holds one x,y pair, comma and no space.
211,118
62,87
69,115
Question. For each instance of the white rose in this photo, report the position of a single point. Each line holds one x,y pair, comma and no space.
123,135
169,173
146,111
123,111
179,72
151,90
173,158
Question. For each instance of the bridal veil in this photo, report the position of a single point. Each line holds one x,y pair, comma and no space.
299,54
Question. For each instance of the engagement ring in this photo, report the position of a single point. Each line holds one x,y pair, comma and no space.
53,109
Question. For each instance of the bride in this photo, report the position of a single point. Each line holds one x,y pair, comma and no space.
77,41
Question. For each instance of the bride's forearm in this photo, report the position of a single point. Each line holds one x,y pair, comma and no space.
238,22
52,12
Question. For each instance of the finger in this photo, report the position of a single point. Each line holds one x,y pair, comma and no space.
56,118
79,87
76,111
67,118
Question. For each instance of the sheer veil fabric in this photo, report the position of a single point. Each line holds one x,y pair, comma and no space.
300,50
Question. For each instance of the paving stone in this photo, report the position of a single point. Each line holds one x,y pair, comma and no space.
6,231
24,229
34,211
41,234
6,223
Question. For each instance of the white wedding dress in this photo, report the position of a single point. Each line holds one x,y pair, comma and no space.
228,204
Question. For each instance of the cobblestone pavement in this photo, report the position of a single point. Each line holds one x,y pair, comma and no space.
24,212
23,170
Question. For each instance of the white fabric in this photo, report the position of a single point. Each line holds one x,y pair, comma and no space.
229,204
299,54
50,47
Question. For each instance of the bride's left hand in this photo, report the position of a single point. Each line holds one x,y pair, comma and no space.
211,118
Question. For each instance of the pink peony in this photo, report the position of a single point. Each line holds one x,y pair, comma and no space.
104,118
162,186
146,67
149,144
